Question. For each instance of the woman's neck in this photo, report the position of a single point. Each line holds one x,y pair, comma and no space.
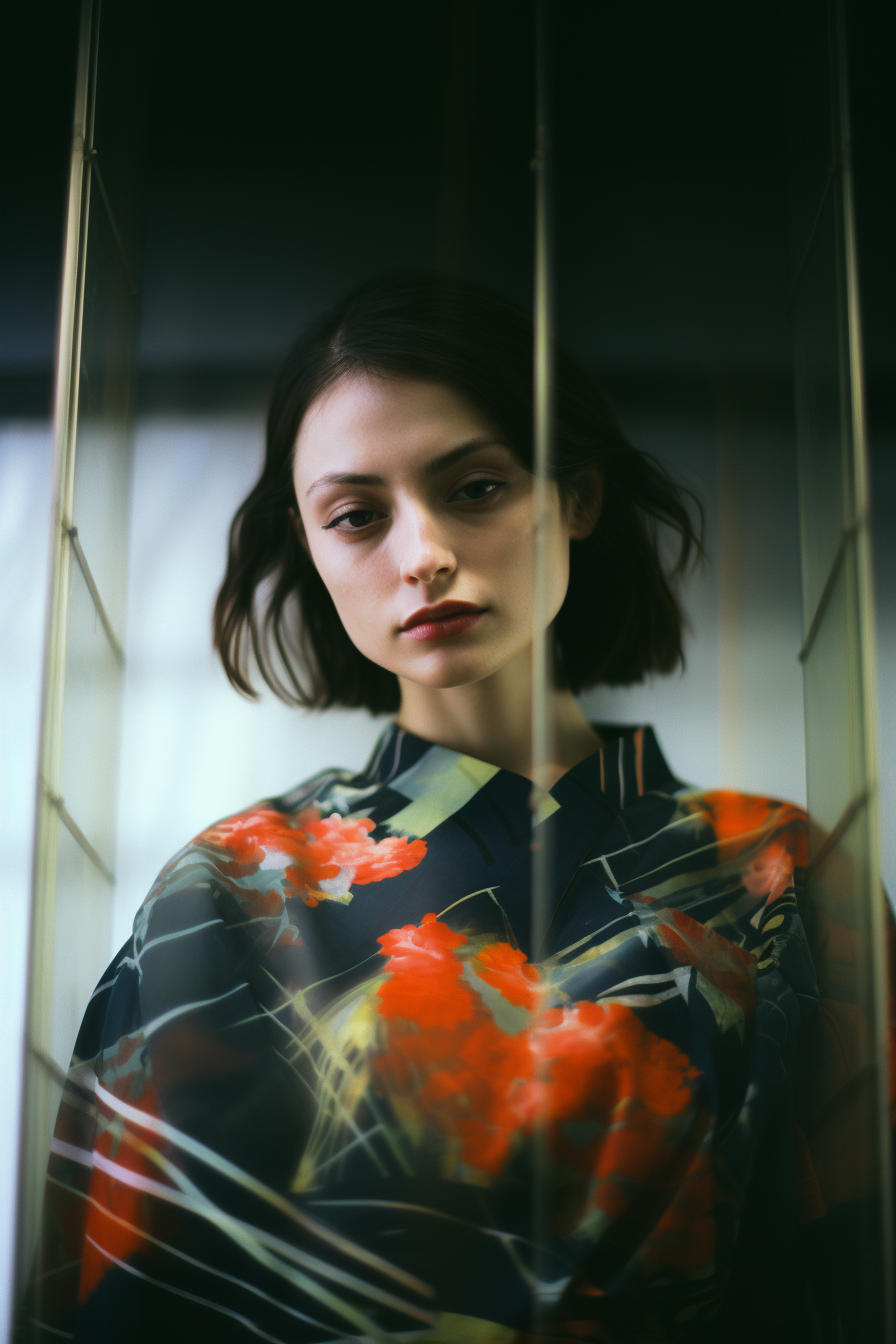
492,720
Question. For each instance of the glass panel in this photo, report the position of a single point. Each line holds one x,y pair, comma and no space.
45,1093
104,451
843,1127
83,905
847,1122
809,80
827,507
835,765
72,904
90,722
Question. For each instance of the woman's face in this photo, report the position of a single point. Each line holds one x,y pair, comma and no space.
420,521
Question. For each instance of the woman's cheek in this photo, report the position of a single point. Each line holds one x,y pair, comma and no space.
357,598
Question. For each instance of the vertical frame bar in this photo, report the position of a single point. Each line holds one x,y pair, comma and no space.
867,652
543,386
848,1121
542,650
40,1084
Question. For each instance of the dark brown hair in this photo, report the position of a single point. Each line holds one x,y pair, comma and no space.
620,619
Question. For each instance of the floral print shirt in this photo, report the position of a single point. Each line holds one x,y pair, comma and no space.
332,1089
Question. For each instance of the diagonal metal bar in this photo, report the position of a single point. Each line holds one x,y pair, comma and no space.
58,802
92,158
846,536
886,1239
48,1063
72,533
832,840
807,250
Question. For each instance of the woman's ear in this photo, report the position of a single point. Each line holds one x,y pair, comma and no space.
299,528
584,501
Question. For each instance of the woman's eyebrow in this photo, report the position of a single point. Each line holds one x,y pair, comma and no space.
456,454
344,478
431,469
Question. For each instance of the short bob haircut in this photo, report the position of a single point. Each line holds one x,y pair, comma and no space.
620,619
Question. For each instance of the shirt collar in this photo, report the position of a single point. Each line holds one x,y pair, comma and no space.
628,766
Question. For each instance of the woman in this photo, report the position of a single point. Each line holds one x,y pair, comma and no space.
341,1083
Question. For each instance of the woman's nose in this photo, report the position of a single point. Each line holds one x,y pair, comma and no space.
425,552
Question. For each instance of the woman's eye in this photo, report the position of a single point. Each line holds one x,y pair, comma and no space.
474,490
354,520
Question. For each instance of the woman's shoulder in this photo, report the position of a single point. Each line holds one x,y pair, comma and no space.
229,851
762,839
238,835
221,908
741,823
308,843
735,812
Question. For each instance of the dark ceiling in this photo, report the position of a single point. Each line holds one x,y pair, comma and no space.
289,149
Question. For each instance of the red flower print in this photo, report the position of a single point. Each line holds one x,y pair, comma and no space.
266,906
321,857
505,968
769,837
684,1237
425,983
770,873
743,821
725,965
118,1214
606,1089
247,837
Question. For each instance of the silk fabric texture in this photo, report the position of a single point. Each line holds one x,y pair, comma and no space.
329,1089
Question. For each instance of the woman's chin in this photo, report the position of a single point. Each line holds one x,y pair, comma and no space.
444,671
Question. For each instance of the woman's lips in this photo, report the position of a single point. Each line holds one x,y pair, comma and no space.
434,625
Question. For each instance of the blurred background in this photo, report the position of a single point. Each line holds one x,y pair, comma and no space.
257,163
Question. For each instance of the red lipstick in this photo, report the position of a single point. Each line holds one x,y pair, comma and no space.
441,621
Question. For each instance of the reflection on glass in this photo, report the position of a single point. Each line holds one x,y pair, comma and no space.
827,506
72,902
83,903
103,457
847,1124
89,763
834,757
